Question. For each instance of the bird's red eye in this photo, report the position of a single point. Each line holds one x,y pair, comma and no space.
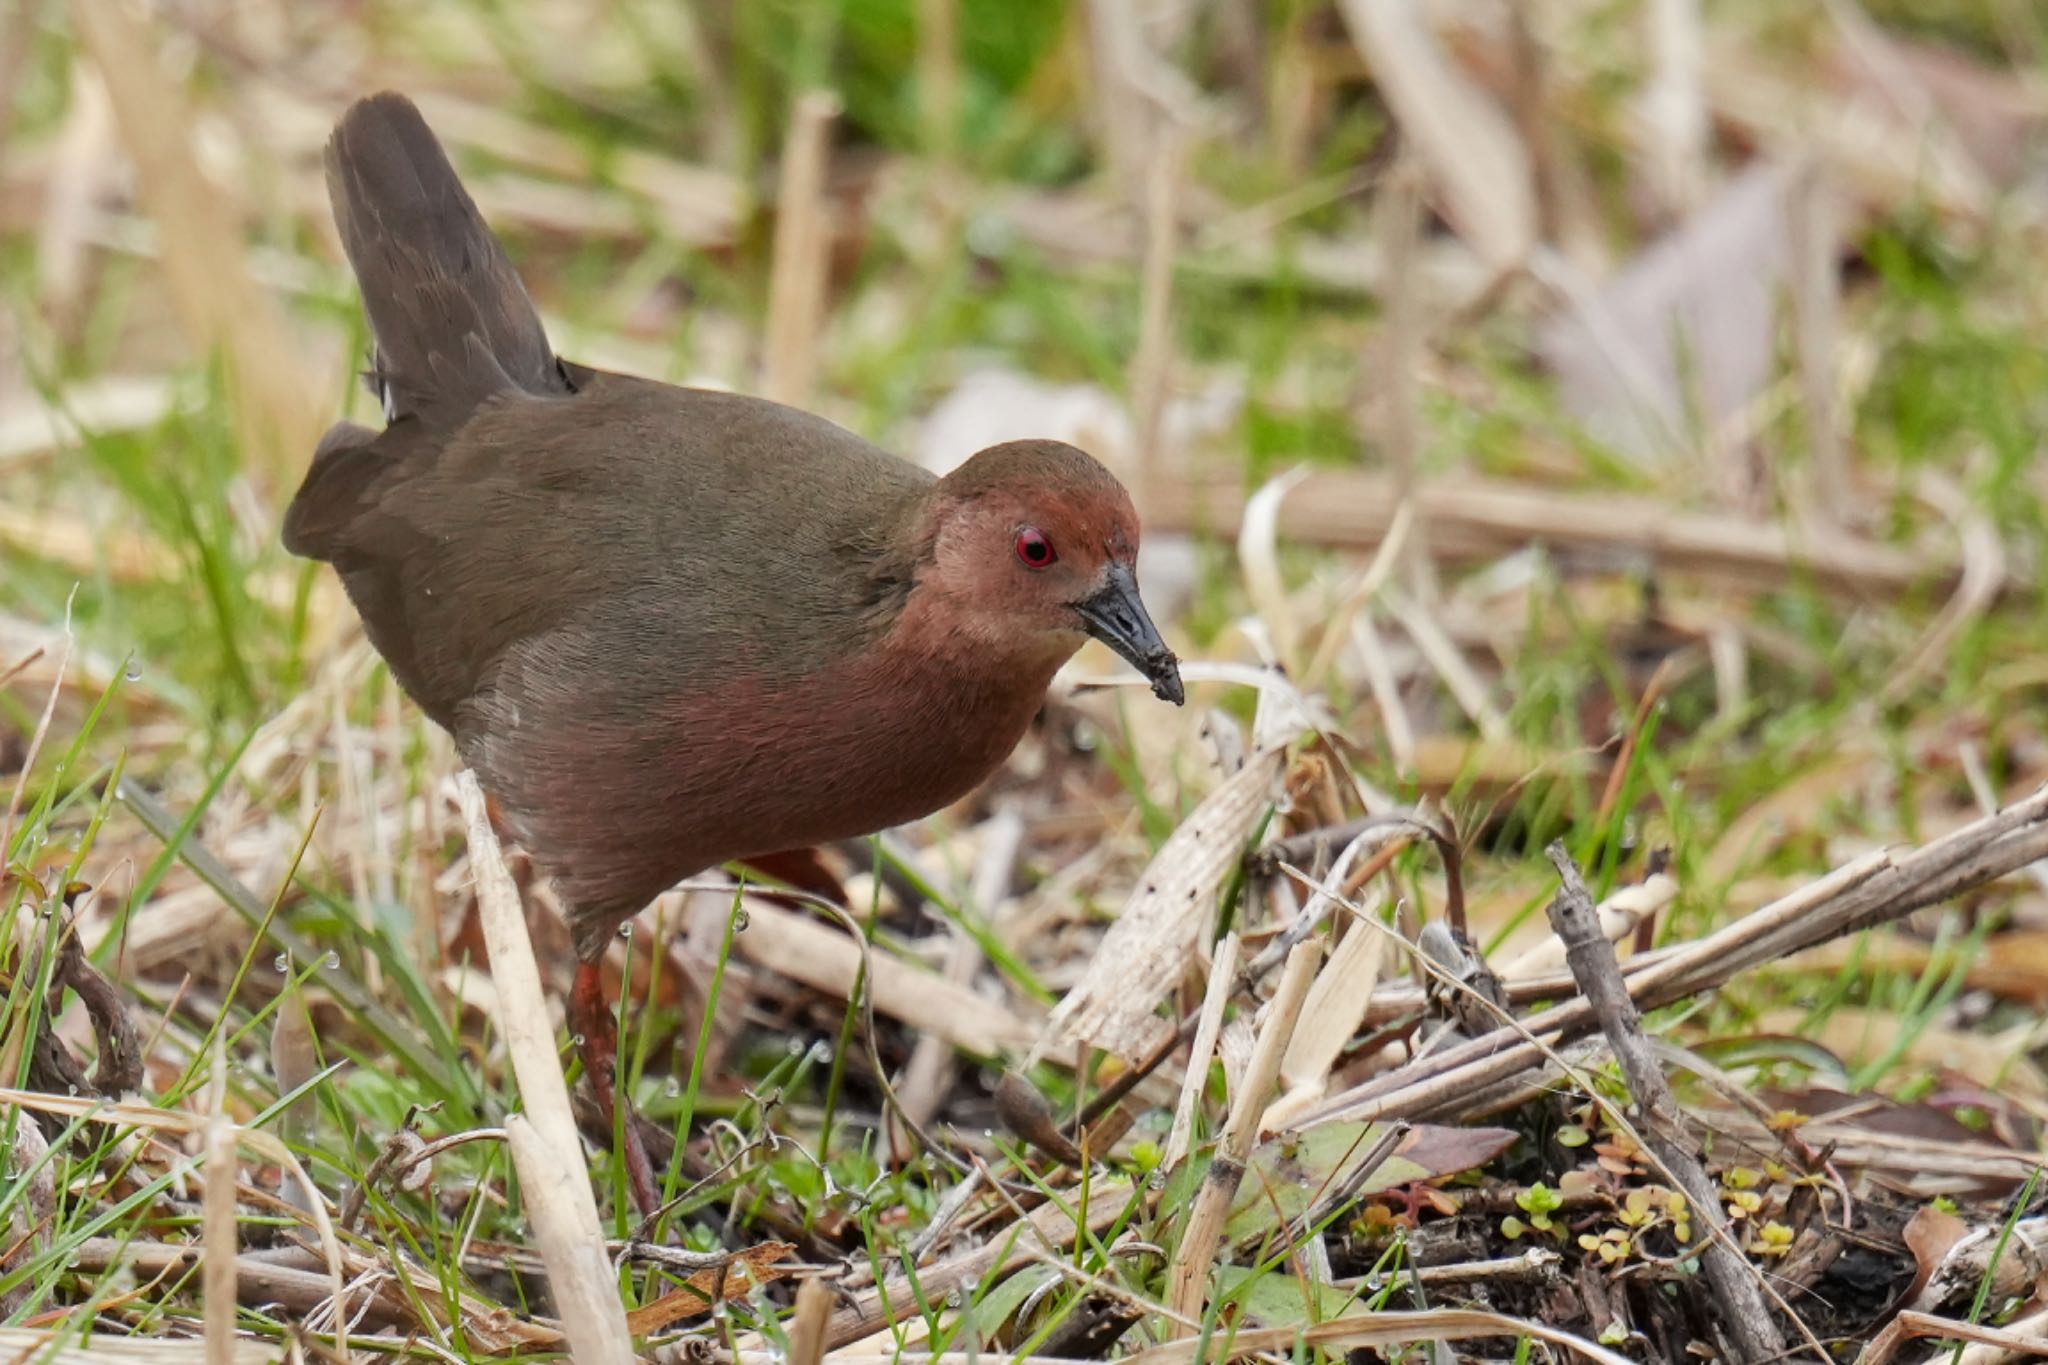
1034,549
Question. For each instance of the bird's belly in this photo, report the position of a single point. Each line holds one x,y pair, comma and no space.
617,814
780,777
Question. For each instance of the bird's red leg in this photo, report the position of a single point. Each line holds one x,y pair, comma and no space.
597,1042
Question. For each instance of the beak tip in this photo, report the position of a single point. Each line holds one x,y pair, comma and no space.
1166,683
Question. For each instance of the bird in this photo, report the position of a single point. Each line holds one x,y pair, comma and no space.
674,628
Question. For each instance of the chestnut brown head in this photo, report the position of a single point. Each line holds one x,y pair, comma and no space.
1035,539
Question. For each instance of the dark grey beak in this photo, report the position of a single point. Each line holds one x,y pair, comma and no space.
1116,616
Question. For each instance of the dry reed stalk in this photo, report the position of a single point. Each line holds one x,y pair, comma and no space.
86,165
1733,1280
220,306
697,205
1123,113
1395,727
1459,678
1674,105
1358,595
803,240
217,1270
558,1201
807,1325
524,1019
1883,158
1215,998
1984,573
151,1120
553,1174
1152,368
2027,1339
926,1077
794,944
1396,364
1817,308
68,1346
1187,1276
1370,1330
1877,888
1337,1005
1258,558
1472,519
1474,158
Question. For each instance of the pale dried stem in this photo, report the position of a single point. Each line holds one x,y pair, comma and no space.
564,1218
1395,726
926,1077
219,304
1481,519
1675,105
1395,367
1591,957
1222,977
1152,368
553,1174
1459,678
796,284
217,1272
1188,1275
1878,888
807,1326
1817,299
1984,573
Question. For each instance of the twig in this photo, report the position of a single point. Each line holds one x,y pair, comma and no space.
553,1174
1209,1023
1152,368
1479,519
807,1325
1188,1276
1592,961
796,284
217,1268
1877,888
1817,293
565,1224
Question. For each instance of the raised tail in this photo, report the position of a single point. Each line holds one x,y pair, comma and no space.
452,322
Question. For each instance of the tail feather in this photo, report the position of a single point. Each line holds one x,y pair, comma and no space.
451,319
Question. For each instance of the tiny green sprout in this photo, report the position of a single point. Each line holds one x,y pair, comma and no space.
1513,1228
1539,1201
1944,1204
1573,1135
1741,1178
1613,1334
1785,1120
1773,1239
1972,1116
1147,1156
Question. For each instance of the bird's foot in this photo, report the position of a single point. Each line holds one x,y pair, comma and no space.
597,1041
